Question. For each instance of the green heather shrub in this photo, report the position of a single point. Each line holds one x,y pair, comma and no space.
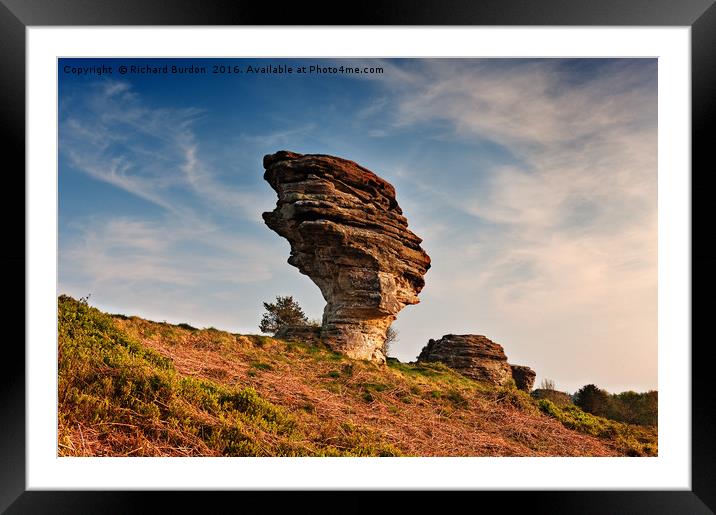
107,380
555,396
261,366
130,400
629,407
634,440
510,394
635,408
457,399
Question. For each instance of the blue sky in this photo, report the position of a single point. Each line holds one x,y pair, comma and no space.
532,182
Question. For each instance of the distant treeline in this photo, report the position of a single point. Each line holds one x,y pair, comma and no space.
629,407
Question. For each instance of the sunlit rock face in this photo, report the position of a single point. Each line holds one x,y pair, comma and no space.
472,355
348,234
479,358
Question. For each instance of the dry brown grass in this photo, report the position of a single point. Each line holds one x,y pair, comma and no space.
341,402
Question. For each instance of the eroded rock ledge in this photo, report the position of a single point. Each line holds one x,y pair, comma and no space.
479,358
524,377
348,234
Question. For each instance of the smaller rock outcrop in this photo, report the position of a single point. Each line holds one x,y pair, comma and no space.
472,355
524,377
479,358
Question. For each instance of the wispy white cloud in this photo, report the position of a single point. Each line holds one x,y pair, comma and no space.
164,251
278,138
560,259
150,152
198,245
166,270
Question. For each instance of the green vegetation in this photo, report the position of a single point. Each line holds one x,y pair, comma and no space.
435,371
635,408
629,407
116,394
555,396
592,399
285,311
132,387
107,379
261,366
514,397
548,391
632,440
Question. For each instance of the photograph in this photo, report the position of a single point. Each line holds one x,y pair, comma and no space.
357,257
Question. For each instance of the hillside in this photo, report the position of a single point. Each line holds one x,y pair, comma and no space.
132,387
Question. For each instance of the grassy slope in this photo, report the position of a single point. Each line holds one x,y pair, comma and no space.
128,386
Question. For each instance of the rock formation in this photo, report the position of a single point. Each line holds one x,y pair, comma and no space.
472,355
524,377
348,234
477,357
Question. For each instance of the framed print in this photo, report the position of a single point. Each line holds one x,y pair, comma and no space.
423,250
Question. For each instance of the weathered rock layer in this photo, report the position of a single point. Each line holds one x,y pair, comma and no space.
472,355
524,377
477,357
348,234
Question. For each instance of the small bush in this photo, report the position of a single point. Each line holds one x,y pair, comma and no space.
457,399
510,395
285,311
555,396
391,336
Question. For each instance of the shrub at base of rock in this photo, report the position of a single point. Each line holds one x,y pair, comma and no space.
310,334
477,357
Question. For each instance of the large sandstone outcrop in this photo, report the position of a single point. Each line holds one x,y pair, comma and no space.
477,357
348,234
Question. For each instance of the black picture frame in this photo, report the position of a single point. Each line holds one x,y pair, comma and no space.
17,15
